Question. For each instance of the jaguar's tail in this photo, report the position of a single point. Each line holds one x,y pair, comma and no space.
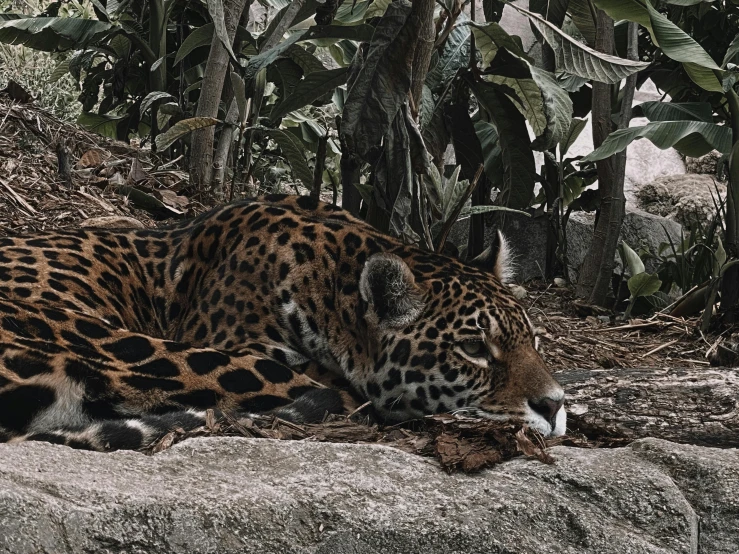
141,432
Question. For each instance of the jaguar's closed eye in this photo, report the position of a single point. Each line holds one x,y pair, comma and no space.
475,348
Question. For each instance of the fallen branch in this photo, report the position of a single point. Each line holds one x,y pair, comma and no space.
693,406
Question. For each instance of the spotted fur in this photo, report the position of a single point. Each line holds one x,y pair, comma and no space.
109,338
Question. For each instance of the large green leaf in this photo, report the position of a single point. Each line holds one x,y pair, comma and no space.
491,153
474,210
52,33
307,10
631,259
217,14
308,90
202,36
669,111
106,125
557,107
381,84
582,13
519,169
490,37
643,284
692,138
578,59
59,71
351,13
673,41
538,96
435,126
527,97
377,8
553,11
153,97
456,54
574,130
239,90
393,176
731,52
293,151
453,192
263,59
307,61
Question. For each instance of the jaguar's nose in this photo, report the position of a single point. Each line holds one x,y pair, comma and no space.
547,408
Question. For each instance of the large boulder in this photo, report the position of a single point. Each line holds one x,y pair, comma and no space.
644,161
689,199
229,495
528,239
706,164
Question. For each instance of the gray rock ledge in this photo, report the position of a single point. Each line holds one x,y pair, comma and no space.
233,495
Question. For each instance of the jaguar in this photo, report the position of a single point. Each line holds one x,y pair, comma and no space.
110,338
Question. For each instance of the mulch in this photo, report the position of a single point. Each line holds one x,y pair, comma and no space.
458,443
572,340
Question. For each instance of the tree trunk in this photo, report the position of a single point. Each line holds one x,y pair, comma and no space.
224,149
423,10
694,406
730,280
201,151
595,275
158,44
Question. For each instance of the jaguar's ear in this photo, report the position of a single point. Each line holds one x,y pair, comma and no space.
497,258
388,286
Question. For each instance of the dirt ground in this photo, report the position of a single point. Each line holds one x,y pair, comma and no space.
115,180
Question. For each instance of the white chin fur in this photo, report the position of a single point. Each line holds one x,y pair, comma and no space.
537,422
561,427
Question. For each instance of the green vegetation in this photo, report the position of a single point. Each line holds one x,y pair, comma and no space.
365,97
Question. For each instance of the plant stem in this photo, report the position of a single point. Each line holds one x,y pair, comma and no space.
730,280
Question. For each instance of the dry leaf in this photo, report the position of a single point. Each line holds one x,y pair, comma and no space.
137,173
173,199
454,452
530,450
92,158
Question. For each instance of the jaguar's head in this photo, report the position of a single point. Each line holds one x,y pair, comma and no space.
446,336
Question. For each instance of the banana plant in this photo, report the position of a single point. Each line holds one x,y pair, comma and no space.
114,52
641,284
697,133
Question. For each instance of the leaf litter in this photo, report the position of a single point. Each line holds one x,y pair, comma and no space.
457,443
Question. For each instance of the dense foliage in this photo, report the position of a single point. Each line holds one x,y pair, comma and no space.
371,94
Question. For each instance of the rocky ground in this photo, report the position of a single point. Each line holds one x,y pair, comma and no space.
231,495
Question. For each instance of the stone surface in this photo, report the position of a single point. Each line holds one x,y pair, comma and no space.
644,161
640,229
705,164
687,199
528,239
225,495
